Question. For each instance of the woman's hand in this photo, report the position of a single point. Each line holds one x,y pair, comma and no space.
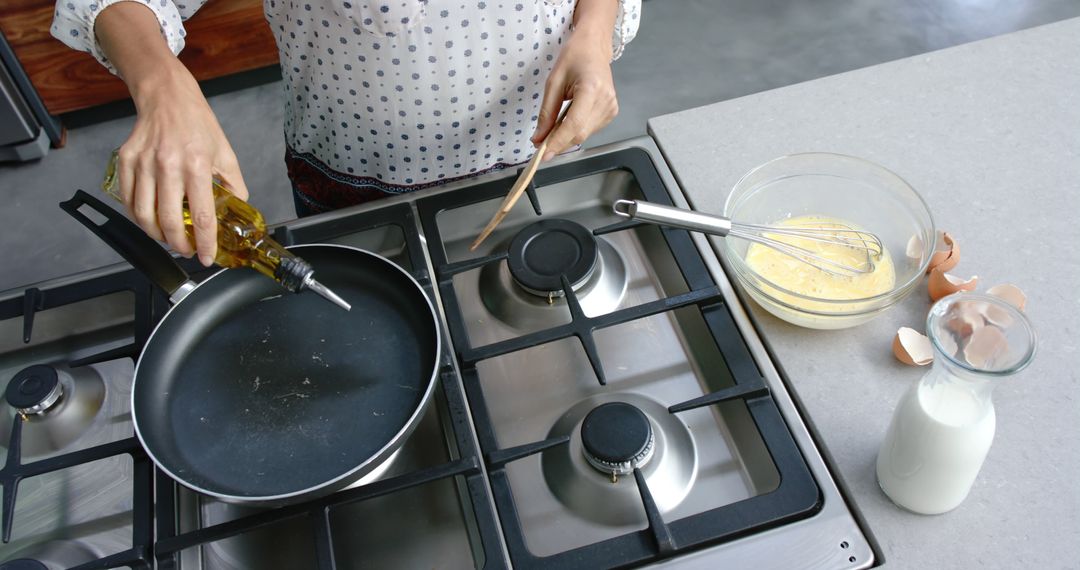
582,74
172,152
176,145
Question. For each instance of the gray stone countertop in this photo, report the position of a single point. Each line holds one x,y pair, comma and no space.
989,134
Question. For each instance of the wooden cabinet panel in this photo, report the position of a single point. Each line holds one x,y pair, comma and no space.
224,37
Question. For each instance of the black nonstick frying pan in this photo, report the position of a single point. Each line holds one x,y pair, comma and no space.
254,395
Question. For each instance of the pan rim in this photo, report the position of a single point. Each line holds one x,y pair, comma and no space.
351,475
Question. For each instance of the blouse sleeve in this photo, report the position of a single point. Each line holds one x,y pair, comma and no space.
73,23
626,26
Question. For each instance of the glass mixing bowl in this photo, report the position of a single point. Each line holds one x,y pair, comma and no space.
837,186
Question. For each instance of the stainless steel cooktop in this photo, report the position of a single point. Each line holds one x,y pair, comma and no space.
608,404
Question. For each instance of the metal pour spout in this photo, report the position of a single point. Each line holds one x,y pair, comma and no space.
295,275
325,292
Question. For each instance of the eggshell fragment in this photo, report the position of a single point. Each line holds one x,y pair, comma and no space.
912,348
948,345
946,253
985,346
914,250
1010,293
995,315
942,284
965,318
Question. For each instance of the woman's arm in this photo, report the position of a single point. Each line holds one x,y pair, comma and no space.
176,143
581,74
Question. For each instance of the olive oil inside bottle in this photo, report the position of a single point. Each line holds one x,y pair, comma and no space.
243,240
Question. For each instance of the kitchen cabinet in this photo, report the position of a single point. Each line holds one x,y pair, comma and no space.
224,37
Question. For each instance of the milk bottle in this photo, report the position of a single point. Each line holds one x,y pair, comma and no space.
943,426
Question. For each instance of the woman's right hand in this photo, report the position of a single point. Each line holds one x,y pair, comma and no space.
174,149
177,144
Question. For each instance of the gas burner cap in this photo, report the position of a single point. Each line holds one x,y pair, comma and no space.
545,250
34,390
617,438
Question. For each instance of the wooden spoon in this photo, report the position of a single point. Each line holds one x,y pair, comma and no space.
518,189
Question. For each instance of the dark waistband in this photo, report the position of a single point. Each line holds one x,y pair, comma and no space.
322,188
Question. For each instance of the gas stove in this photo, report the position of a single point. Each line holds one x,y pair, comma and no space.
605,402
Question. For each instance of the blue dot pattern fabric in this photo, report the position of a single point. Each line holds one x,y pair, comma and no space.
397,93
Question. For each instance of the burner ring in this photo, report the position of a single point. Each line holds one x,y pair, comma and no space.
544,251
617,438
23,564
591,494
34,389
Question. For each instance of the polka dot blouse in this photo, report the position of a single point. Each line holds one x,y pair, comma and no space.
400,93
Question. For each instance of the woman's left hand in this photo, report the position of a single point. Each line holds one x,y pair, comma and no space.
582,74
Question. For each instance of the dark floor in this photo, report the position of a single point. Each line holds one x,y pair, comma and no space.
688,53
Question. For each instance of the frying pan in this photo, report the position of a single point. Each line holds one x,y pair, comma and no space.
254,395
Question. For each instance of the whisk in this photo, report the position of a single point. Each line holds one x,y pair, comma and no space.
866,244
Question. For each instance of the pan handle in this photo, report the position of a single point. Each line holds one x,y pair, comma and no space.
137,248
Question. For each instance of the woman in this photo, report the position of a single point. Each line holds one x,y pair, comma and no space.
382,96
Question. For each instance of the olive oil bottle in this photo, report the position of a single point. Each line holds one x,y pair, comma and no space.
243,240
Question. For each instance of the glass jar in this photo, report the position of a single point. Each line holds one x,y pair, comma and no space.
943,426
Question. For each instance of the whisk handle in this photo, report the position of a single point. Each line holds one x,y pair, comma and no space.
672,217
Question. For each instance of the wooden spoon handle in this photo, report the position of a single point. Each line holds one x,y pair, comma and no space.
515,193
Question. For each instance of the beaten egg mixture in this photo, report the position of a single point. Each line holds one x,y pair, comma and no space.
797,276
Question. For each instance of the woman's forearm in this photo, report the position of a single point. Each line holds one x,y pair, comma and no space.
130,36
596,20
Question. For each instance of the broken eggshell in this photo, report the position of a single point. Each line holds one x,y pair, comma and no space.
912,347
963,319
946,253
914,250
1011,293
985,346
995,315
947,344
942,284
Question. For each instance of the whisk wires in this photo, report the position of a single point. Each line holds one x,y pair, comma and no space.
829,234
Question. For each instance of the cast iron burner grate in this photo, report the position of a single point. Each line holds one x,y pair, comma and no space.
155,515
31,383
797,495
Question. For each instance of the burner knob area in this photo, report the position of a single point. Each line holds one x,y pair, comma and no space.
34,390
617,438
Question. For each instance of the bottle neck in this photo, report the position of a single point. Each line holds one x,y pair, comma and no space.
968,390
292,272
